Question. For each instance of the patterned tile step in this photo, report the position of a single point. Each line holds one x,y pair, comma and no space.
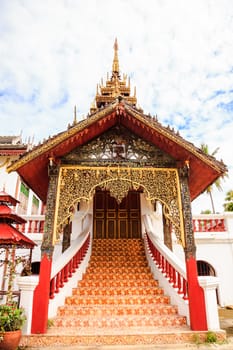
96,311
116,241
118,260
118,264
118,277
117,270
120,321
112,284
117,296
117,252
118,291
121,251
117,300
77,337
129,258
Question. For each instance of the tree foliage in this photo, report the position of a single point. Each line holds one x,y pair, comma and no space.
217,183
228,206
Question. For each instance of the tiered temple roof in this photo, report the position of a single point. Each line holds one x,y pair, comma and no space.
115,87
9,235
114,106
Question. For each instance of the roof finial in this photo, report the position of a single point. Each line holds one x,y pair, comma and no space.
75,115
115,64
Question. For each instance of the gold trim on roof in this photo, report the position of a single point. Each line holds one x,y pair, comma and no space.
149,122
56,140
177,139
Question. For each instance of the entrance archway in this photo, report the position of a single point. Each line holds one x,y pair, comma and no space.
76,183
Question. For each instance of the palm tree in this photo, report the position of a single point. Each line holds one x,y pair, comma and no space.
217,183
228,206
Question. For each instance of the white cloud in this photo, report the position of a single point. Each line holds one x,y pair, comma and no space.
178,54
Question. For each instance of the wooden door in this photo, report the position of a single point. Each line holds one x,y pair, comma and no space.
117,221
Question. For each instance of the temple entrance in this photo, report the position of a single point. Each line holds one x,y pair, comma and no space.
113,220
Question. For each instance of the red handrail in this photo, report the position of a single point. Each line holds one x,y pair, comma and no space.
173,276
67,271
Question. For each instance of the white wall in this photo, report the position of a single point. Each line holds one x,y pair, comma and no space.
8,181
217,250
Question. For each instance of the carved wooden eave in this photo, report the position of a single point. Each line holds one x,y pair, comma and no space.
33,166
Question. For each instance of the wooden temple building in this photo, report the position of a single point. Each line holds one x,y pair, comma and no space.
120,165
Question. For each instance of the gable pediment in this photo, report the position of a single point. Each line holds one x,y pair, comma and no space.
119,146
121,135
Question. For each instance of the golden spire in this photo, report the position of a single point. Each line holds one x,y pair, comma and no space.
115,87
115,64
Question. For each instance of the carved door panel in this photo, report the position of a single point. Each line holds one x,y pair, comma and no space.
111,216
123,217
117,221
99,214
134,214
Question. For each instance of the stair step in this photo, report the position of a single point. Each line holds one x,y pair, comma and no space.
117,300
117,264
179,337
117,295
118,258
117,270
120,321
148,310
118,277
113,284
117,291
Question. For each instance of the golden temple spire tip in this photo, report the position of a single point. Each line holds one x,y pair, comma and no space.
116,45
115,88
115,64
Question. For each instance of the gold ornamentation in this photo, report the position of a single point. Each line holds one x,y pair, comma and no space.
78,183
50,144
118,145
5,162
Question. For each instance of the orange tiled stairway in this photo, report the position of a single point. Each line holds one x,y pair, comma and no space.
117,295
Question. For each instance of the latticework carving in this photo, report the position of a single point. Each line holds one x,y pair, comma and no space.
79,183
119,146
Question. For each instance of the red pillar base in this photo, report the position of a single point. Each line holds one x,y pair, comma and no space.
197,311
41,298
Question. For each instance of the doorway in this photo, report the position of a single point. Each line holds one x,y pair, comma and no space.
113,220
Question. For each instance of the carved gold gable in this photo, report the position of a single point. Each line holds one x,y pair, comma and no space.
78,183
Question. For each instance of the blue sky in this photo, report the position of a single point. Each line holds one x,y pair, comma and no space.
178,54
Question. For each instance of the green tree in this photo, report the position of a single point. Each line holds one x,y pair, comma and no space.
207,211
228,206
217,183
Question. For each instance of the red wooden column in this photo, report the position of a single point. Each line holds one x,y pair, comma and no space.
41,294
197,310
41,297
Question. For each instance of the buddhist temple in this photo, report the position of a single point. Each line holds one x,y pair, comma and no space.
103,181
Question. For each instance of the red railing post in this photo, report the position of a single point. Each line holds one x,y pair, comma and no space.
29,226
173,276
52,288
67,271
57,284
